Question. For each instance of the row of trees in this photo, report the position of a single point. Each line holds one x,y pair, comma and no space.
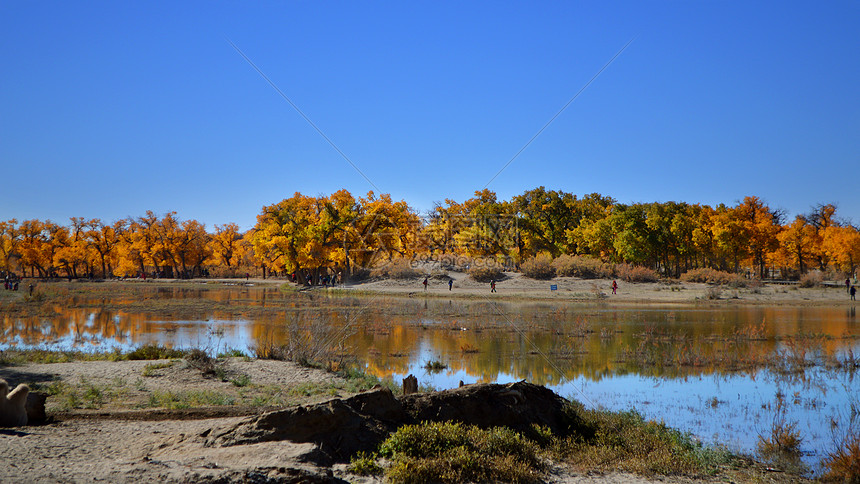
307,235
133,246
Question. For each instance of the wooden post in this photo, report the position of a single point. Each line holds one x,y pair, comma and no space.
410,385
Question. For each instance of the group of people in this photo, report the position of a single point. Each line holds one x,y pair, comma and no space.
324,279
426,282
10,281
614,286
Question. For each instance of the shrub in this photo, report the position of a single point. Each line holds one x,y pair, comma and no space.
453,452
811,279
154,352
538,267
631,273
482,273
584,267
201,360
312,341
400,268
232,353
781,444
363,464
713,276
843,464
435,366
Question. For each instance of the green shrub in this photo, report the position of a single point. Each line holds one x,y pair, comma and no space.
453,452
538,267
153,351
364,464
241,381
232,353
435,366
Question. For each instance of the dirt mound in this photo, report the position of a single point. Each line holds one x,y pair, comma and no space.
339,427
342,427
516,405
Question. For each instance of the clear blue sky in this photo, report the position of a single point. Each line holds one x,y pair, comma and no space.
109,109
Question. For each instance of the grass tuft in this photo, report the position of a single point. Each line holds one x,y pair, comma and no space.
154,352
452,452
627,442
435,366
363,464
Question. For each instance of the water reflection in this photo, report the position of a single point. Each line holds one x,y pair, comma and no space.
710,370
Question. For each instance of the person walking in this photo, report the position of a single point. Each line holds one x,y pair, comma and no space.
852,291
450,283
425,284
492,285
614,287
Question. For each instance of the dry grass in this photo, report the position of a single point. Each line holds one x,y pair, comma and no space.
484,273
399,268
538,267
843,463
780,444
632,273
310,340
584,267
713,276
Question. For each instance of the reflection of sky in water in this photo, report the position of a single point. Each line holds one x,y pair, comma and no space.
743,409
213,335
731,409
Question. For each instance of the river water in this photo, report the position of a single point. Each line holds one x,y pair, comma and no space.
723,373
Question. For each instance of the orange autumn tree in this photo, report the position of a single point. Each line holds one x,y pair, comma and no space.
283,238
102,240
8,244
796,245
342,233
761,224
304,234
821,218
227,246
841,245
73,254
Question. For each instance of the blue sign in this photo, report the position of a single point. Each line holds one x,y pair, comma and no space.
553,287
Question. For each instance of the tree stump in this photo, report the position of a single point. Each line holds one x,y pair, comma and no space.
410,385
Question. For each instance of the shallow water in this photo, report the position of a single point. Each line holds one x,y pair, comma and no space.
715,371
